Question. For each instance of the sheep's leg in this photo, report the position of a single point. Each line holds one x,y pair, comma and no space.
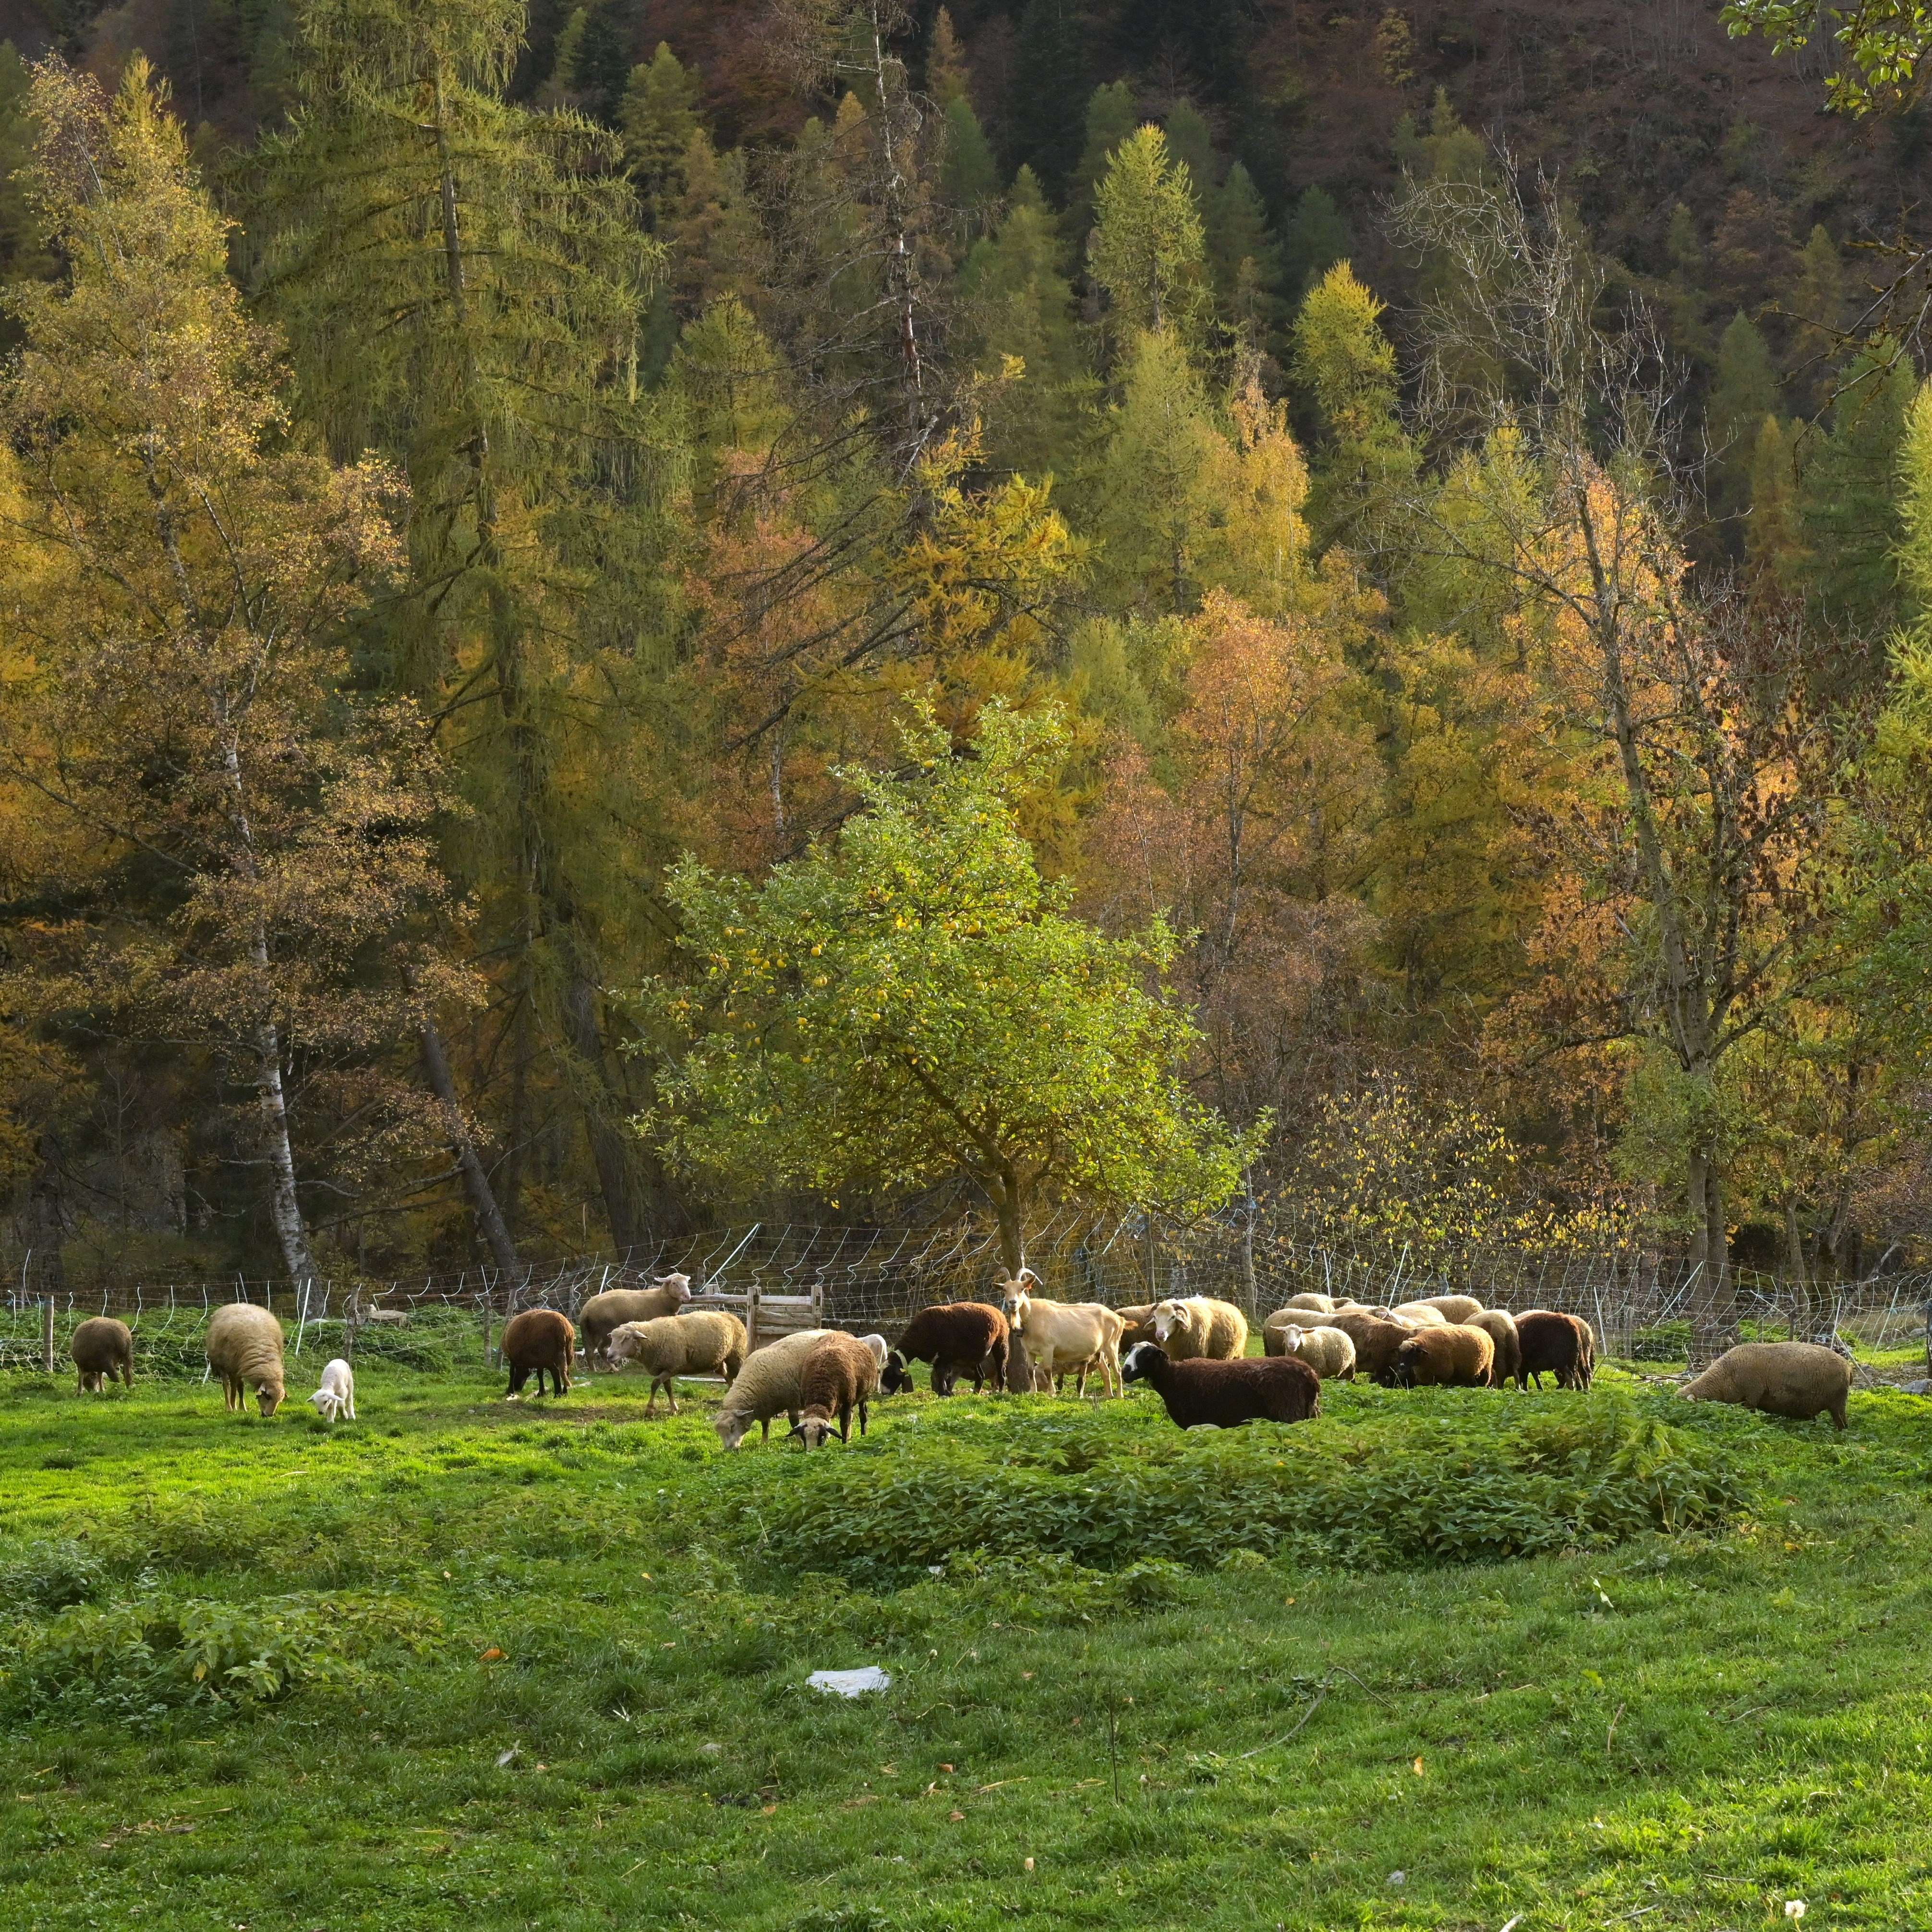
845,1422
862,1415
671,1390
651,1407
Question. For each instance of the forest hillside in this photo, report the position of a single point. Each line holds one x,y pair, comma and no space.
623,614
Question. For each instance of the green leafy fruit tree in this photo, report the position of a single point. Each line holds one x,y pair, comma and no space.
913,1000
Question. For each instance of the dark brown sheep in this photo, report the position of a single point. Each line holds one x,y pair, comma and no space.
1500,1326
539,1341
958,1338
1798,1379
1376,1341
102,1348
1452,1356
1139,1320
1269,1388
839,1375
1564,1345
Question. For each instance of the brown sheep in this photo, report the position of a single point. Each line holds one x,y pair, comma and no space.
1139,1319
1451,1357
958,1338
603,1315
839,1375
1564,1345
102,1348
539,1341
1376,1341
1225,1394
1798,1379
1500,1326
244,1349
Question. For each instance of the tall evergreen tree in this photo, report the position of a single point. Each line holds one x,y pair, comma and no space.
1049,70
1315,239
658,116
1744,393
1148,249
1849,511
463,281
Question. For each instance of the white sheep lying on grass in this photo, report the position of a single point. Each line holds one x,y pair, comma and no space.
336,1398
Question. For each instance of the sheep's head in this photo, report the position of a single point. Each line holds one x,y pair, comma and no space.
896,1375
679,1286
730,1429
1402,1370
269,1395
1291,1338
622,1344
813,1431
1140,1362
1167,1316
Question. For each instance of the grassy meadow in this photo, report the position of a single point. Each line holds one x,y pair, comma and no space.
1442,1660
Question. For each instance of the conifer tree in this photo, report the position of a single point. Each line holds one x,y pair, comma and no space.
658,116
1110,117
1744,393
1849,512
462,281
968,175
1148,248
1315,239
1049,70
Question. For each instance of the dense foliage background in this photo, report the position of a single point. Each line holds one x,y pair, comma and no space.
1453,489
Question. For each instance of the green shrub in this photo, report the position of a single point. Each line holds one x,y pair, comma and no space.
1435,1480
49,1577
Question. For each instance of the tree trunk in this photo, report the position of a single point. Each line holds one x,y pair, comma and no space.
284,1203
1713,1318
476,1182
609,1148
1008,1210
1803,1305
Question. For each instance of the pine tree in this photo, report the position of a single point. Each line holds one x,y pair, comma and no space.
968,176
1315,238
1148,249
1240,251
1112,116
1821,302
1849,512
23,254
462,281
658,116
1915,509
1744,393
1191,142
1348,365
1773,547
948,77
1049,70
1017,321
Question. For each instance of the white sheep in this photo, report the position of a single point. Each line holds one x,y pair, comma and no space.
879,1347
710,1343
1328,1351
1323,1304
767,1385
1453,1308
336,1398
1196,1327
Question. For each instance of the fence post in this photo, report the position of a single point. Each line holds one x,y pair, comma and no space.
47,1332
752,1317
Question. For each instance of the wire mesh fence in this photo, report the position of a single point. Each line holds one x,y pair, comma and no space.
1641,1303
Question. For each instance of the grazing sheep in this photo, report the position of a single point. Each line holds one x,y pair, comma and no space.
539,1341
244,1349
1423,1314
1226,1394
1565,1345
1452,1307
102,1348
1328,1351
837,1376
603,1315
1802,1380
710,1343
1290,1315
1197,1328
1500,1326
1066,1332
336,1398
767,1385
1453,1356
1376,1341
958,1338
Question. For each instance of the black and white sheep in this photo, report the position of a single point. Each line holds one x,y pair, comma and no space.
1273,1388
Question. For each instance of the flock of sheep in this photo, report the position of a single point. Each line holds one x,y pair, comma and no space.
1192,1351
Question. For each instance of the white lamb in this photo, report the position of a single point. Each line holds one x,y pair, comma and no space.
336,1398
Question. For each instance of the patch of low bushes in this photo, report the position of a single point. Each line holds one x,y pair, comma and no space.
1423,1478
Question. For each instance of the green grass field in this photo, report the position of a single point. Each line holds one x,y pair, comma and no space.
1443,1659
